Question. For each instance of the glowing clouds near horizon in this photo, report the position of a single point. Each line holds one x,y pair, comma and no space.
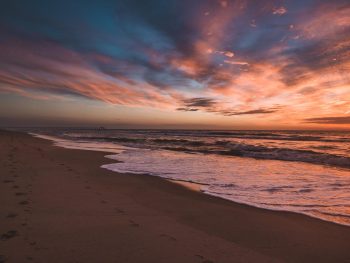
223,60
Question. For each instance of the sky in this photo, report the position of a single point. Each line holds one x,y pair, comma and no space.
197,64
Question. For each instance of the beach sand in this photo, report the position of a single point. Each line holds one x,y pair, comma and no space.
58,205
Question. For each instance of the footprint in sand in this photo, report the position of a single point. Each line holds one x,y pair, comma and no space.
7,181
9,234
204,260
119,211
168,237
133,224
20,194
2,259
11,215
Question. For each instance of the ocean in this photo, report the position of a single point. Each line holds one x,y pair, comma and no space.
305,172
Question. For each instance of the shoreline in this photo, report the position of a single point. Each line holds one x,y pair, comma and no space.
59,142
189,226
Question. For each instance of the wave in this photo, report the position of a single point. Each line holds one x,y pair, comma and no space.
276,135
285,154
288,138
256,135
112,139
336,214
281,154
231,148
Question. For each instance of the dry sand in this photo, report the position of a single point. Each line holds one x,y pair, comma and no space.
58,205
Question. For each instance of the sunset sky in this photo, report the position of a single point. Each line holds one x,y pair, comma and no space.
206,64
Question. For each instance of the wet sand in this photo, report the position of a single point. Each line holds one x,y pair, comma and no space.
58,205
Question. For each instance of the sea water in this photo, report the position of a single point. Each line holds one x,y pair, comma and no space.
298,171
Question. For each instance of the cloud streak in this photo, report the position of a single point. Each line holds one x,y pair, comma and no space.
330,120
253,112
199,102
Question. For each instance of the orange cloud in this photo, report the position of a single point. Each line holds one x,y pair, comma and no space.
29,72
